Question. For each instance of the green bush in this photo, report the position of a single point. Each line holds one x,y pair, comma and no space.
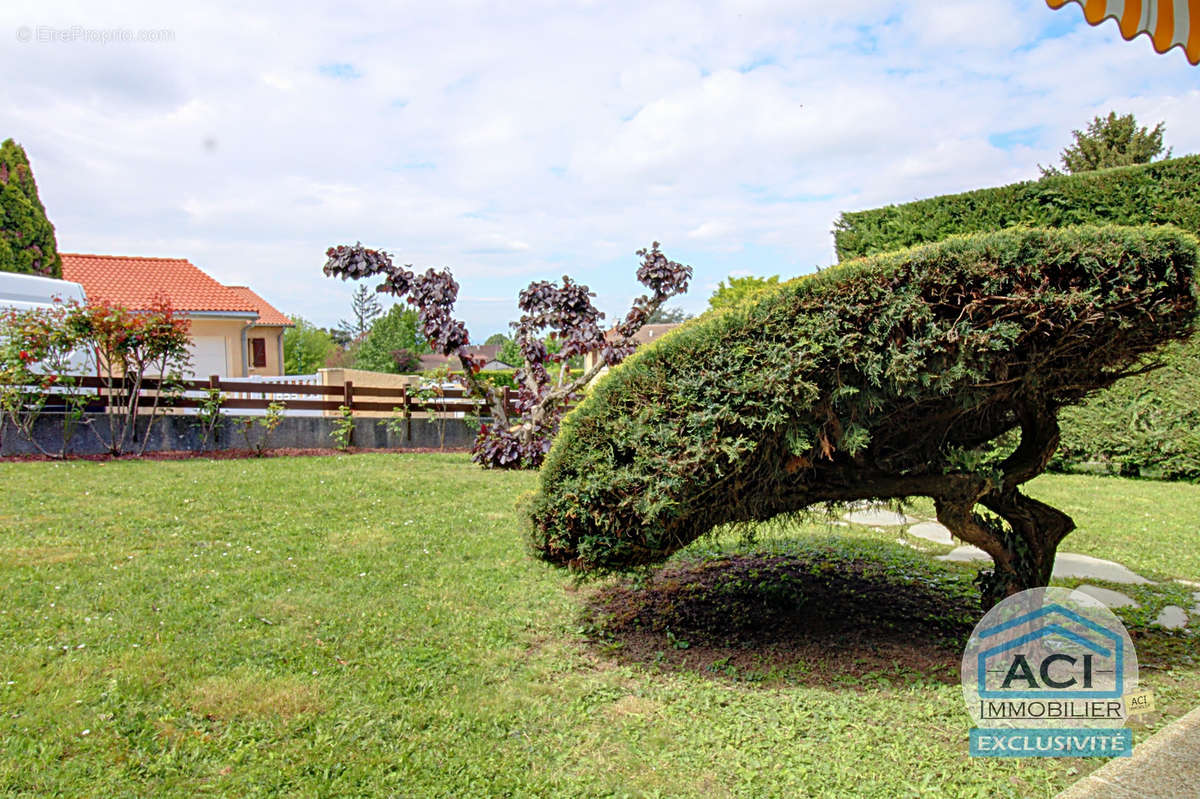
1147,425
883,377
1165,192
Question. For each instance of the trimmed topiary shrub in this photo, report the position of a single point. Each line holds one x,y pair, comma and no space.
1162,193
881,378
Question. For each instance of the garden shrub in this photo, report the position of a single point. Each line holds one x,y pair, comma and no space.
127,348
554,317
131,347
879,378
1147,425
41,356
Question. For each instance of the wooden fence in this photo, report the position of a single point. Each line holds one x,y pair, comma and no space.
256,396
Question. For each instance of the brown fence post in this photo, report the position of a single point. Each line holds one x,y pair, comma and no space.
214,381
348,395
404,404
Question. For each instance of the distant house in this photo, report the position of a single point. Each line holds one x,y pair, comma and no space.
487,352
235,332
645,335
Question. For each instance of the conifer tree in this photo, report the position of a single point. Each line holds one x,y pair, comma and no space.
27,241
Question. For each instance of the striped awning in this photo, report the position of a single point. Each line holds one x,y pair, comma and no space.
1168,23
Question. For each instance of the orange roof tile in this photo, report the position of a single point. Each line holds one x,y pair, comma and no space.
136,282
267,313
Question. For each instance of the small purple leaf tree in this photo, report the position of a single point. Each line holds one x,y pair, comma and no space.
545,386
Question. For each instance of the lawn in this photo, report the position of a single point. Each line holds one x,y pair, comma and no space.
371,625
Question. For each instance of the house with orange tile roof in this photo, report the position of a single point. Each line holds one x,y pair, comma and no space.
235,332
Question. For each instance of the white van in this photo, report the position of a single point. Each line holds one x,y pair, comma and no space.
28,292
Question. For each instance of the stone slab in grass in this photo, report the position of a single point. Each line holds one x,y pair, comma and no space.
1066,565
1166,766
1071,564
932,531
1172,617
1111,599
879,517
965,554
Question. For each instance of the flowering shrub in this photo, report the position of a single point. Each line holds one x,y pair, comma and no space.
125,347
131,347
39,355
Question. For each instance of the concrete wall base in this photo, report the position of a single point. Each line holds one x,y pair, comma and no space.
182,433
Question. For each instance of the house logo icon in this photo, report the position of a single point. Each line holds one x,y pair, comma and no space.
1058,672
1045,674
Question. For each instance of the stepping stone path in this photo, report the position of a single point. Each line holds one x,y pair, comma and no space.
879,517
1070,564
1113,599
1172,617
932,531
965,554
1067,565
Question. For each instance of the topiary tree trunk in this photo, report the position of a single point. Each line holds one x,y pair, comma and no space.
1023,549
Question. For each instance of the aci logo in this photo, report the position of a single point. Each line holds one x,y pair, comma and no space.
1045,674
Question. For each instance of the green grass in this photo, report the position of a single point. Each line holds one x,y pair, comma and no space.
372,626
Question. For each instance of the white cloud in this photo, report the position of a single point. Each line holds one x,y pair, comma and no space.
513,142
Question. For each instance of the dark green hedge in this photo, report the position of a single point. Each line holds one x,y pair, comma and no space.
1147,425
1165,192
881,377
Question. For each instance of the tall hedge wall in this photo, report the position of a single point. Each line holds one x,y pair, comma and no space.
1165,192
1147,425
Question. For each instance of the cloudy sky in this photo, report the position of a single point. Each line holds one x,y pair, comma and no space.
526,140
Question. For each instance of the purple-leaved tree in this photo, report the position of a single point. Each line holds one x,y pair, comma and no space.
545,387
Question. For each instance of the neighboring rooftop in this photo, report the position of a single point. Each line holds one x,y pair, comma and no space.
268,314
136,283
486,352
